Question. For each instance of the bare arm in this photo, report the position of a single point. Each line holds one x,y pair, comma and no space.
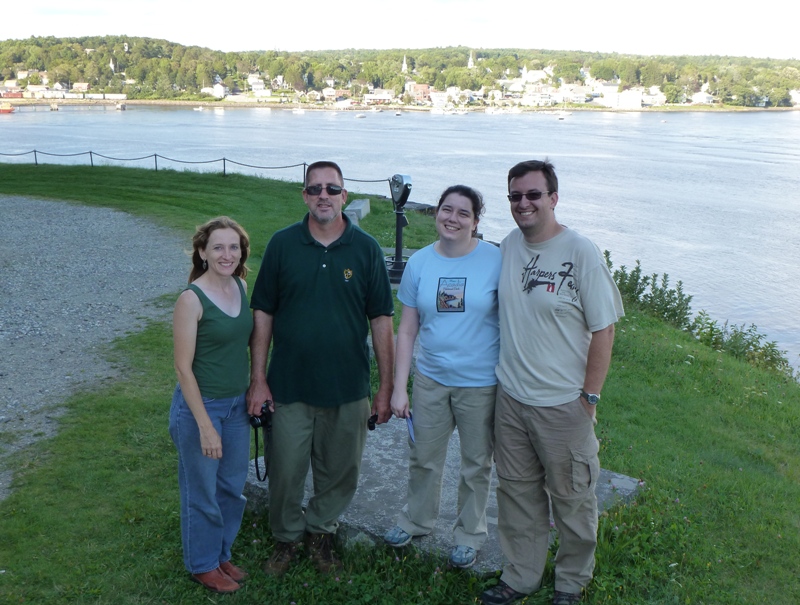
260,341
383,344
406,336
598,362
187,313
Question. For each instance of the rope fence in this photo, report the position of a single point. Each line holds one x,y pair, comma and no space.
155,157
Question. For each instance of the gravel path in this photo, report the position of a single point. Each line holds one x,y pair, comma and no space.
72,278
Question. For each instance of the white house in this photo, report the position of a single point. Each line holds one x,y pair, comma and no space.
702,98
626,99
220,90
534,75
379,95
536,99
654,97
438,98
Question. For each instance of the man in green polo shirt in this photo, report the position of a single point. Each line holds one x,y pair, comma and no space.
321,288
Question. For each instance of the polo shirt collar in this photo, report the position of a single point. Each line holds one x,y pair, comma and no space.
344,239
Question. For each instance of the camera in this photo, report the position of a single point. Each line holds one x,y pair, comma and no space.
400,186
264,420
371,422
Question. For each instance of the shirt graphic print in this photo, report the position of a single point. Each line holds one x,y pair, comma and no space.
450,294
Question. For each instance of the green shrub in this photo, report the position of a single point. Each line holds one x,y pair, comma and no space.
653,295
742,342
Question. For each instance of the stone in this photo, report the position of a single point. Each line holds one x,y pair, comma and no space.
359,207
382,493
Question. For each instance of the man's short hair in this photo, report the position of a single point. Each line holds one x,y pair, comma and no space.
545,167
323,164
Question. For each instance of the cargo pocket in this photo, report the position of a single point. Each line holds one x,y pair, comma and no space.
585,464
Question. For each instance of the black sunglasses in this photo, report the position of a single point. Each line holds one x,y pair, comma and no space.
532,196
317,189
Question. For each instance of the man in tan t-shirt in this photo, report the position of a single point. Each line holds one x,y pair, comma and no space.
558,306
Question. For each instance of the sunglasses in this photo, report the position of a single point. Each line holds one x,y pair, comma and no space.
516,198
317,189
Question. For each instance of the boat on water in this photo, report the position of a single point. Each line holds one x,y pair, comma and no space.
6,108
398,113
361,115
298,110
198,108
121,107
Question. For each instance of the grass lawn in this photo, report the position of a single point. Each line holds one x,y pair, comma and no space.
94,514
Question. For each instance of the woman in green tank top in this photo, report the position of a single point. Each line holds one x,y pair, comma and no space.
208,418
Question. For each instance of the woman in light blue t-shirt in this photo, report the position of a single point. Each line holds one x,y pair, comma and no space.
449,296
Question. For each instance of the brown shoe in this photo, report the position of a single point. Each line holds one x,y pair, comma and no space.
216,581
320,551
237,574
281,559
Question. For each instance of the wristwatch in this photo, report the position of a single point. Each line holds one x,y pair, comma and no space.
591,398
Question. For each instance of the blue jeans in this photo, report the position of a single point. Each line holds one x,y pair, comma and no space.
212,503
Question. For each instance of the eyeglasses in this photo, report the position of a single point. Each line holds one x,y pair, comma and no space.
516,198
317,189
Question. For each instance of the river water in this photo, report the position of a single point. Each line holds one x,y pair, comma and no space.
712,199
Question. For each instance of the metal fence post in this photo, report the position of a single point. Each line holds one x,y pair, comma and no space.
91,159
155,157
35,158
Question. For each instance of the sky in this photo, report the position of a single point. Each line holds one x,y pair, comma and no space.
680,27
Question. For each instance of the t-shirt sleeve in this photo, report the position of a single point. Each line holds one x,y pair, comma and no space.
409,284
600,298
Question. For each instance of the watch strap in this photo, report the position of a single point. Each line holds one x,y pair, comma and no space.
591,398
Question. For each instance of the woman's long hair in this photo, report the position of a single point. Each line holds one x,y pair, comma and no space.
200,241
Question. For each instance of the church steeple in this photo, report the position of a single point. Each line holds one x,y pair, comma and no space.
470,63
405,65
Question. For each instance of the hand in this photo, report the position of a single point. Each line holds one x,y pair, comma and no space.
210,443
400,404
590,409
380,406
257,395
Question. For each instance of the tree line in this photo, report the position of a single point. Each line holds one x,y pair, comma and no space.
159,69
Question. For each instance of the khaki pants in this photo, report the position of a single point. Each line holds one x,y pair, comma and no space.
437,411
332,440
541,451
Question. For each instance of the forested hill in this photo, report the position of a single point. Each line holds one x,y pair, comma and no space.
151,68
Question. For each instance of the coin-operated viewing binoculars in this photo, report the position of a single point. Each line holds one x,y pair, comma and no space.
400,186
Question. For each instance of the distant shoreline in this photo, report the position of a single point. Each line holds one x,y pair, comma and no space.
19,103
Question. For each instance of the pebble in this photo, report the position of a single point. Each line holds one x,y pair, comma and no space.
73,279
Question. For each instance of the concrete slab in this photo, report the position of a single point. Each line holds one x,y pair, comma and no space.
360,207
382,493
353,216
